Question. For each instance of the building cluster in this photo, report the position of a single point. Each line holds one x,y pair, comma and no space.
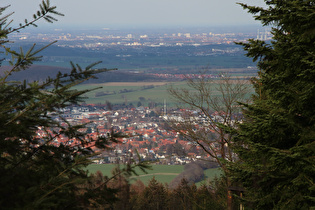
183,76
108,38
144,130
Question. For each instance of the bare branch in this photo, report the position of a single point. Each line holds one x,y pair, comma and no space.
217,103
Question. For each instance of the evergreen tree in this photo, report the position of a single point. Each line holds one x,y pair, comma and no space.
206,199
184,196
153,197
35,171
276,141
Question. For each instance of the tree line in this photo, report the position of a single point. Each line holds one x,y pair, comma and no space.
159,196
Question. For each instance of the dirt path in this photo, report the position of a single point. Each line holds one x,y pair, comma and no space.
174,174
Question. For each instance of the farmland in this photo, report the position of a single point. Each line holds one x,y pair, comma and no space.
132,92
119,95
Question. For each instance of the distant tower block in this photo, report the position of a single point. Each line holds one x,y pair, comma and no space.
262,35
165,107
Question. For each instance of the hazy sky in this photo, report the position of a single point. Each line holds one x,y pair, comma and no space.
133,13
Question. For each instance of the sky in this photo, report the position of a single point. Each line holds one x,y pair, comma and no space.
140,13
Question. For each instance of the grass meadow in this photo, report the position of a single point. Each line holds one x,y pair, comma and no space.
162,173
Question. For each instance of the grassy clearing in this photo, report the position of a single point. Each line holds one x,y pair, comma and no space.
107,168
210,175
162,173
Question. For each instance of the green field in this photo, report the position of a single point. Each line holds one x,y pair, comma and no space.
210,174
162,173
158,94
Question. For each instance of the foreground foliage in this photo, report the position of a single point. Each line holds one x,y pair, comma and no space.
276,141
217,102
157,196
37,171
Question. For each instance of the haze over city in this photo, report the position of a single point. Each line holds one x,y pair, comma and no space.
141,13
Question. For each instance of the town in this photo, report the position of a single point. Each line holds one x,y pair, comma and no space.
145,131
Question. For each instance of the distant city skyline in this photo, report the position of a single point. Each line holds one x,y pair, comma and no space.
140,13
